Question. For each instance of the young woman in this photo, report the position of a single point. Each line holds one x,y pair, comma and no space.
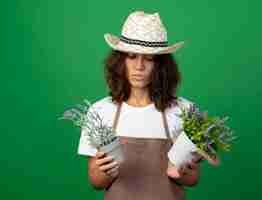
142,77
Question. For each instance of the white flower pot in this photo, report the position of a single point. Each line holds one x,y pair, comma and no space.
181,151
114,149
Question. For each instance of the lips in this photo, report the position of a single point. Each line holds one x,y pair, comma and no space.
138,77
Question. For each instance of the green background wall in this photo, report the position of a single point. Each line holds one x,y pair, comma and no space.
51,59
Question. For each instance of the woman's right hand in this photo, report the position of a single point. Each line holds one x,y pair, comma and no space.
107,164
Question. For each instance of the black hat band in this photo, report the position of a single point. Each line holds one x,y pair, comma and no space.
143,43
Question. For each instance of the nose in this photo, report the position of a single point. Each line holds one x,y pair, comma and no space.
140,62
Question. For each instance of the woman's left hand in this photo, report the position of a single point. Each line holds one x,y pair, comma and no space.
188,174
173,172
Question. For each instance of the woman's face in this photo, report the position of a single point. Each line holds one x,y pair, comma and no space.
139,69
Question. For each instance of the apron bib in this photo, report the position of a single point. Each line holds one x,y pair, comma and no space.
142,175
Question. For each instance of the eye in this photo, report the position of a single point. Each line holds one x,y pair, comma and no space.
131,55
150,58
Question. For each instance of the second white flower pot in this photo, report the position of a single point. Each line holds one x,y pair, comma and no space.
182,150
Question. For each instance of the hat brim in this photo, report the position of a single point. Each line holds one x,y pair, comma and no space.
115,43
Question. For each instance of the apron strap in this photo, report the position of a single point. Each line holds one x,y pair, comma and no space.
166,126
117,115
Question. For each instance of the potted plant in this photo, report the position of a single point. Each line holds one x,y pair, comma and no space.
200,135
100,135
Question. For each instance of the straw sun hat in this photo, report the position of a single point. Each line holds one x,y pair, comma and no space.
142,33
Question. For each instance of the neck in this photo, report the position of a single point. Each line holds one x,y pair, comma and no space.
139,97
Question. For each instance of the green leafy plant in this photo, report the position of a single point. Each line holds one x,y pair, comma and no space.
97,132
209,134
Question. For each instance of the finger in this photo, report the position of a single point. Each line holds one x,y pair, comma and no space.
192,165
214,162
100,154
173,172
114,170
104,160
108,166
186,169
113,173
182,169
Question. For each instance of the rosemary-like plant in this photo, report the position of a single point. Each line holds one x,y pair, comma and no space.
88,119
209,134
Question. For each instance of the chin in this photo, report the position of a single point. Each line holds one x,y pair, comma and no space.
138,86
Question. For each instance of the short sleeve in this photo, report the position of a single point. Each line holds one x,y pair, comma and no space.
104,108
185,103
174,115
84,147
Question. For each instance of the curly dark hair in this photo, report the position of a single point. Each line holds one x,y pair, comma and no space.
162,89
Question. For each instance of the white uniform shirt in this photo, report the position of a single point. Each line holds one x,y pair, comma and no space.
139,122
